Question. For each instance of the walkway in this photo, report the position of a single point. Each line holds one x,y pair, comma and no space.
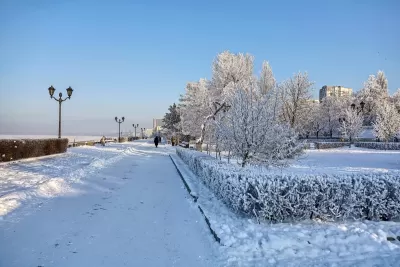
122,205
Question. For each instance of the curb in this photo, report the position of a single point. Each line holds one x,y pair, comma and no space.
195,200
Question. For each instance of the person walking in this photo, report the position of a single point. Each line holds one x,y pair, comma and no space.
156,141
103,141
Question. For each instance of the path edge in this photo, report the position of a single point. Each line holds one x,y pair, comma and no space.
214,234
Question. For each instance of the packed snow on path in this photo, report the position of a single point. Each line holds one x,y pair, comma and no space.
119,205
245,242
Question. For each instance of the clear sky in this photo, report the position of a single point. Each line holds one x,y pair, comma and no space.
134,58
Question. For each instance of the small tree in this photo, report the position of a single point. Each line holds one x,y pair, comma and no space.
352,124
330,110
374,93
249,131
387,124
295,96
396,99
316,120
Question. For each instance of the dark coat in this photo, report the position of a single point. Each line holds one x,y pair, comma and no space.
156,140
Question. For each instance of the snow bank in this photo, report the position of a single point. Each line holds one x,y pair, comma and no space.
291,196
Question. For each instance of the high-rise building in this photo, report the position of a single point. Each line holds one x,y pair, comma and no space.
334,91
158,124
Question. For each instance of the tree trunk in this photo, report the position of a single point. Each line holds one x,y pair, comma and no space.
244,160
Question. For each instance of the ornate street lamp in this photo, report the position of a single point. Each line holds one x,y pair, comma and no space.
360,108
119,121
60,100
135,126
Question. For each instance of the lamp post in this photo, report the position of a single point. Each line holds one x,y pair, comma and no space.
119,121
60,100
135,126
142,129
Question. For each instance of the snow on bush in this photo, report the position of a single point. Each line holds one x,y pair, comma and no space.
288,197
327,145
379,145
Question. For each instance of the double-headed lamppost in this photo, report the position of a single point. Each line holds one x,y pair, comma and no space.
135,126
119,121
359,109
60,100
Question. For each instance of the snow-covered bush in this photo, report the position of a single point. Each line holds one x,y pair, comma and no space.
281,197
379,145
327,145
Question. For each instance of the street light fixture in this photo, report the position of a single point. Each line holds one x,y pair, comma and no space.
119,121
59,100
360,108
135,126
142,129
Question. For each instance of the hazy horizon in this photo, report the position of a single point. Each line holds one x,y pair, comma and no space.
134,59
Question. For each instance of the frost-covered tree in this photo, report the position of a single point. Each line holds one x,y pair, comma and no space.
267,80
373,94
249,131
396,99
172,118
330,108
195,105
172,121
228,70
387,124
316,120
295,96
351,125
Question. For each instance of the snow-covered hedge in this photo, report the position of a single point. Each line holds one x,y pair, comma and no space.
327,145
15,149
288,197
379,145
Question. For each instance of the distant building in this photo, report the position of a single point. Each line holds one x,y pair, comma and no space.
158,124
334,91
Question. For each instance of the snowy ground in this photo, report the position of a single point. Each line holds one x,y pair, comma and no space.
125,205
346,160
343,160
121,205
311,243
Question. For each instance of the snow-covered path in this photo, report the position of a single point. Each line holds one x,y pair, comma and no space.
122,205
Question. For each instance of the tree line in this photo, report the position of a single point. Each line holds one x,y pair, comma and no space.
259,121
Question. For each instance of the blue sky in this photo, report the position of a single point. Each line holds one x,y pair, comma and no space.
134,58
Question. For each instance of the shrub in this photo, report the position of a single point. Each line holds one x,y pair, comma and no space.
14,149
379,145
327,145
281,197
